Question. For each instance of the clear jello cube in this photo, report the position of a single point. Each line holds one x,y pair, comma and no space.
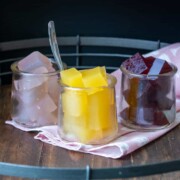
34,61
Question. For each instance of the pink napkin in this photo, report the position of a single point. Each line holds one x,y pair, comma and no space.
127,140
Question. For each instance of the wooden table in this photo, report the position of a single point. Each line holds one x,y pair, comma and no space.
20,147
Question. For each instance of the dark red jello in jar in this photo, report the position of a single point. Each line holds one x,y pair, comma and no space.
147,99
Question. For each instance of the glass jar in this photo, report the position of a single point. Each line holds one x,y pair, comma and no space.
88,115
34,97
147,102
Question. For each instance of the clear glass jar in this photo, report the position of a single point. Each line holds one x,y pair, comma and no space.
147,102
34,97
88,115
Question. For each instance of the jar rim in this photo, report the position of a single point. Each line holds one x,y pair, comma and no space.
111,84
152,76
15,69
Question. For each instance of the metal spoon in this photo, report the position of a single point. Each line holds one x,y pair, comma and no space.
54,44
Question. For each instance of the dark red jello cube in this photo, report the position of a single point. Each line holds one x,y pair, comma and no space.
160,118
158,98
135,64
144,116
162,84
156,65
136,94
148,61
138,116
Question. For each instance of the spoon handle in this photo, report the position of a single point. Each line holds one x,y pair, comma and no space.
54,44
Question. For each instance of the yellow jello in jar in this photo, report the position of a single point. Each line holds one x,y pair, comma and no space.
87,106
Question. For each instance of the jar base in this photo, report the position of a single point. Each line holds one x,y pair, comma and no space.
72,138
29,125
140,127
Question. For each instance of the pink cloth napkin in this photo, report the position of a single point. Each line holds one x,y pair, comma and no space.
127,140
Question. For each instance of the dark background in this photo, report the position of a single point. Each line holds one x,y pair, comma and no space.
152,20
139,19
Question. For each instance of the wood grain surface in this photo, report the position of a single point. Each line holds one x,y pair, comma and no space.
20,147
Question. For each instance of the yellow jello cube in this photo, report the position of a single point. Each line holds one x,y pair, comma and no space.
99,109
103,71
74,102
77,128
69,122
85,135
72,77
95,77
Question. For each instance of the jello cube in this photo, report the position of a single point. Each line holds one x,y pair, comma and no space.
166,68
28,82
46,104
69,122
87,136
160,118
144,116
72,77
135,64
103,71
74,103
148,61
33,61
165,84
94,77
99,109
140,116
78,129
136,92
156,66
